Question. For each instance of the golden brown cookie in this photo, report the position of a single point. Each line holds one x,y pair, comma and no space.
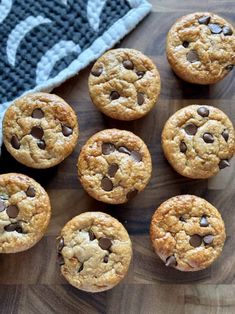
25,212
187,233
198,141
124,84
94,251
201,48
114,165
40,130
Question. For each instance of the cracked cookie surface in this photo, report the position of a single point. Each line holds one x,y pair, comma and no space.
25,212
201,48
94,251
124,84
198,141
40,130
114,165
187,233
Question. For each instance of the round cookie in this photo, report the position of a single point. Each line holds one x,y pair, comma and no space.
198,141
94,251
124,84
114,165
25,212
40,130
187,233
201,48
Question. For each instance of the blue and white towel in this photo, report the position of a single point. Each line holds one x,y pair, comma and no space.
45,42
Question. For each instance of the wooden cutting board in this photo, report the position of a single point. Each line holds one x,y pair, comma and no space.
30,282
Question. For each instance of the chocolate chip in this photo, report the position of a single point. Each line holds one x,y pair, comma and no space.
113,168
192,56
67,131
97,71
13,227
106,184
18,228
136,156
37,113
208,239
105,243
204,20
91,235
191,129
106,259
195,240
227,31
80,268
60,244
12,211
131,194
60,259
208,138
123,149
2,205
229,67
171,261
182,219
183,147
128,64
225,135
140,74
203,112
30,191
140,99
215,28
185,44
204,222
15,142
114,95
41,144
107,148
224,163
37,132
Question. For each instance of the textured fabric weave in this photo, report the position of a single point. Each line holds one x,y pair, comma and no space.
43,43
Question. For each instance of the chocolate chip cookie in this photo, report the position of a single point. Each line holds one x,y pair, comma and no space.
187,233
114,165
198,141
94,251
201,48
124,84
25,212
40,130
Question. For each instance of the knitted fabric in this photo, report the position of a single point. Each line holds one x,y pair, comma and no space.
43,43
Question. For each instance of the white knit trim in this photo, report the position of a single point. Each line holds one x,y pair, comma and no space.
53,55
94,10
5,8
18,34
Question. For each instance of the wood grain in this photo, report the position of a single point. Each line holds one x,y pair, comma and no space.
30,281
